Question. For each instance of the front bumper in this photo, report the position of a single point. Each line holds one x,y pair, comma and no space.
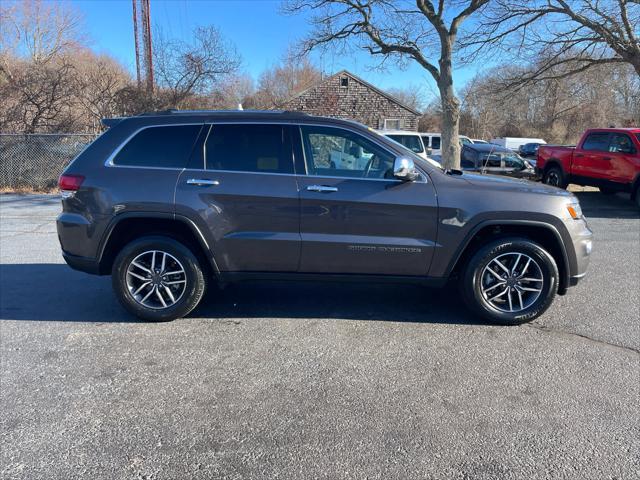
582,240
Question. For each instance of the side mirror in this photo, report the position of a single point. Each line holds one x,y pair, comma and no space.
404,169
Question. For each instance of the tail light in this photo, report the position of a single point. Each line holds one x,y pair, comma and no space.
69,183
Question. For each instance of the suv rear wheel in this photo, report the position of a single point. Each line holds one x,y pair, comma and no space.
158,279
510,281
554,177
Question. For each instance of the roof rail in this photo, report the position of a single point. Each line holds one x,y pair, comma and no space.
208,112
111,122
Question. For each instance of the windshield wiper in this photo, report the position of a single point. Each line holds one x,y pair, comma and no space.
453,171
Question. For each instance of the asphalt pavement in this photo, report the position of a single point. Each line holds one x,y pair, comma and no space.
307,380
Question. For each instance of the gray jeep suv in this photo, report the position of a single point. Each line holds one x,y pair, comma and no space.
169,201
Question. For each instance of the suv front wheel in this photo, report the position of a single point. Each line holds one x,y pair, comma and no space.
158,279
510,281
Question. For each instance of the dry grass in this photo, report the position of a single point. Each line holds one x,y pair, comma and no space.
25,190
580,188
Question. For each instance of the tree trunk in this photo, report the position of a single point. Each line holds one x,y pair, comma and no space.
450,142
636,64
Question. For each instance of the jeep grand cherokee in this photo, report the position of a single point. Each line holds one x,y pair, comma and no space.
168,202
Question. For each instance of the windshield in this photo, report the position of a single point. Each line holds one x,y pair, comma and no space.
465,141
412,142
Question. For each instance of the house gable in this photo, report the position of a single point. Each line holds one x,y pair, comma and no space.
344,95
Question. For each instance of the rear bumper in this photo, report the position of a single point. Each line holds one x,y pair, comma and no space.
83,264
79,239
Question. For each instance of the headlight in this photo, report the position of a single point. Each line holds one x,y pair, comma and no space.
574,210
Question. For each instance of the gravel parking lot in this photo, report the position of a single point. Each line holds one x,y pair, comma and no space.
301,380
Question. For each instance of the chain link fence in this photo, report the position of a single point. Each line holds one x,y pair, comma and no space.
35,161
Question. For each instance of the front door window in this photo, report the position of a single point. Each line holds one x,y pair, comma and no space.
335,152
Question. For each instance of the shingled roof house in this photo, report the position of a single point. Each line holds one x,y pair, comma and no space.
344,95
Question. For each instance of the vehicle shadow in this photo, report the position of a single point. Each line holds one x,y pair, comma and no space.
54,292
597,205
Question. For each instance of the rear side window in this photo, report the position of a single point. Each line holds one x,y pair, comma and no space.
248,148
159,147
596,141
435,143
412,142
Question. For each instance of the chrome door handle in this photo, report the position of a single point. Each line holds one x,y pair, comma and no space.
202,182
321,188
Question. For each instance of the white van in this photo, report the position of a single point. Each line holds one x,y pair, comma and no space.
424,144
433,141
411,140
514,143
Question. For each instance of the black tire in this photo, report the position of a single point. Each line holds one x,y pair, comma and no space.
607,191
555,177
191,294
473,277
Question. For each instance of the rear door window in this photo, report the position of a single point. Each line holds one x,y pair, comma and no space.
248,148
435,143
598,142
159,147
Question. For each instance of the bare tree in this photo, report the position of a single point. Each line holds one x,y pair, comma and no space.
556,109
99,82
39,98
39,30
232,91
412,96
282,81
571,35
184,69
425,32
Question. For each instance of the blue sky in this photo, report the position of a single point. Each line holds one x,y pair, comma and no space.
258,29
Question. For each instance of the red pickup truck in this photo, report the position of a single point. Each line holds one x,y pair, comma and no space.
608,158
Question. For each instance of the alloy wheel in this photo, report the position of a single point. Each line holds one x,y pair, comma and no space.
156,279
512,282
553,179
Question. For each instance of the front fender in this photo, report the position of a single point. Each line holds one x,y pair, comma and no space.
454,231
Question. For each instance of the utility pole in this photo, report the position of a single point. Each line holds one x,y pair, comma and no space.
135,39
144,31
148,50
